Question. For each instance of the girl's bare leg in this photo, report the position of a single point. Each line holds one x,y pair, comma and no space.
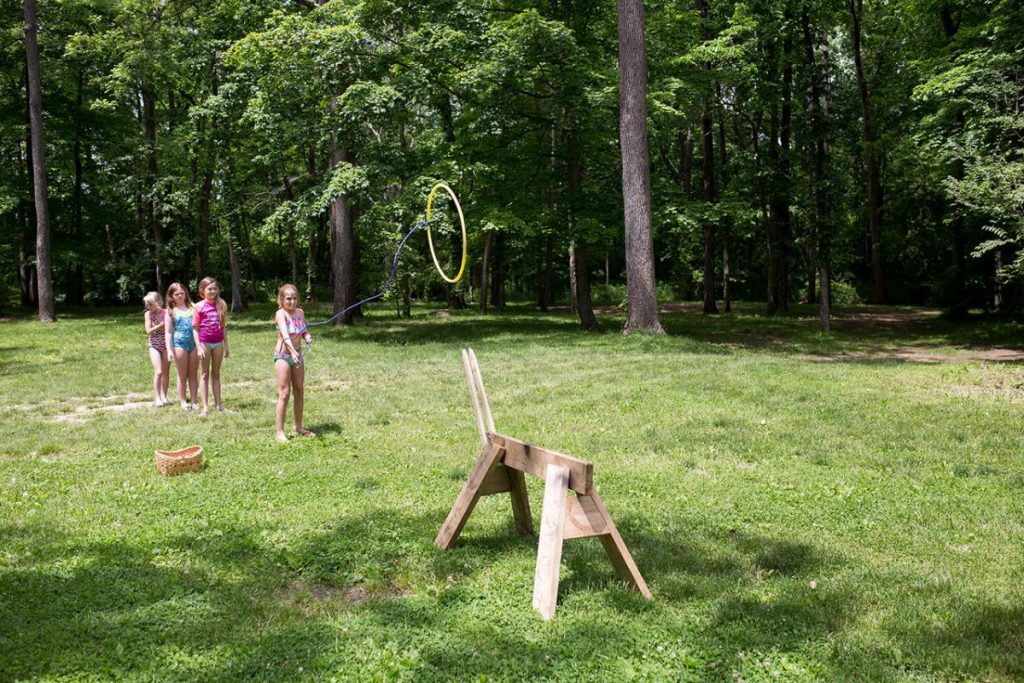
165,366
282,372
181,364
298,386
218,358
157,360
193,374
204,386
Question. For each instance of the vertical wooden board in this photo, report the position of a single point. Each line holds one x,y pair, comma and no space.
464,504
473,397
485,405
619,554
549,549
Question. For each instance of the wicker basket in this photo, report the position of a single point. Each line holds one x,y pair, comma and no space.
178,462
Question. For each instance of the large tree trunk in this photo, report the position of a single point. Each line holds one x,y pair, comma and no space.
636,172
585,308
959,304
871,161
779,226
44,270
342,248
818,106
152,206
708,187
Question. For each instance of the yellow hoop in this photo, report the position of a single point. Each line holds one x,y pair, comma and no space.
430,240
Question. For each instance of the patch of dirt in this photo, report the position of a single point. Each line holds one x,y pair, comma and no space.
920,354
311,597
80,408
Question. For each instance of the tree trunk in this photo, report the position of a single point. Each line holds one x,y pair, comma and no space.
342,248
779,227
871,162
573,305
237,299
584,304
406,302
959,304
708,185
636,173
724,176
44,270
547,274
585,308
152,206
818,106
686,151
484,265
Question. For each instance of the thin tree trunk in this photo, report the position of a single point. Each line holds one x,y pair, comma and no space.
573,305
708,184
584,305
237,299
44,270
484,265
959,305
636,172
871,162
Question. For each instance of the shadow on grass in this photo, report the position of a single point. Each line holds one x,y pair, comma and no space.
222,603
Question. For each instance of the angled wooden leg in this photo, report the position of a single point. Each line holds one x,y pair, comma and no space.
616,548
464,504
520,502
549,549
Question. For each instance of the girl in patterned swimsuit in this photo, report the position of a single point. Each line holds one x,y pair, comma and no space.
288,366
181,348
153,318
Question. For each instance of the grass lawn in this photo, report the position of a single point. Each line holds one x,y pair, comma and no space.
803,507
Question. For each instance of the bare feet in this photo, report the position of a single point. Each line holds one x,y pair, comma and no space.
281,437
202,413
304,432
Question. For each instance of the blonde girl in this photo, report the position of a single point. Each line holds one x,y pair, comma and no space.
211,337
181,347
153,319
288,366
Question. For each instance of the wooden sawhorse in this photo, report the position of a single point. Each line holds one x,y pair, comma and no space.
500,468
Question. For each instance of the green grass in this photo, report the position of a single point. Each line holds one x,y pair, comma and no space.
803,507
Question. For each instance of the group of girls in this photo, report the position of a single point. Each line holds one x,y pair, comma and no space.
194,336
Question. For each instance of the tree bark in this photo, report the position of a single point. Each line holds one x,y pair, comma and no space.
342,246
237,298
708,185
641,293
44,269
871,162
818,106
484,265
152,205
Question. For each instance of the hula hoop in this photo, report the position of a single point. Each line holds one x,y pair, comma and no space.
462,222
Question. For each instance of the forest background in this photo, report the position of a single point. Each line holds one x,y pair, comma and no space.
872,150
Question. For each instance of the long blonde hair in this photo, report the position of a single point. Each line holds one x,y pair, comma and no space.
222,306
169,299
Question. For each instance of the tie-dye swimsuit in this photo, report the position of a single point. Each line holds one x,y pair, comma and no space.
297,329
183,330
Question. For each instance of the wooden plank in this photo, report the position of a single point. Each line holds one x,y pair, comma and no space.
464,504
520,502
619,554
549,548
535,460
485,405
473,397
583,518
496,481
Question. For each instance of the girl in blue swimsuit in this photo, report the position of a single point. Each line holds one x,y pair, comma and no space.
181,347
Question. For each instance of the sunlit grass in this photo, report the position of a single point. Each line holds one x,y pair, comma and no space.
804,507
